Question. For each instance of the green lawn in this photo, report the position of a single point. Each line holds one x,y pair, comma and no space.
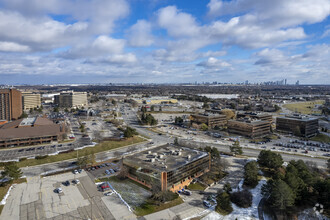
321,138
196,186
148,207
105,146
304,107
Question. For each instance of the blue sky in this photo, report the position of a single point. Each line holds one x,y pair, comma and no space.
164,41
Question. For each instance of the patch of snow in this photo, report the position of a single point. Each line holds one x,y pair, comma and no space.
242,213
3,201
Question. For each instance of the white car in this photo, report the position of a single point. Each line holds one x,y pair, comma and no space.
76,181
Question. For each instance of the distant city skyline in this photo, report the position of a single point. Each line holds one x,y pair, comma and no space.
153,41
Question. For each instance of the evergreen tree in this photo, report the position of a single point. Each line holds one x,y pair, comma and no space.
270,159
281,196
236,148
224,204
12,170
251,174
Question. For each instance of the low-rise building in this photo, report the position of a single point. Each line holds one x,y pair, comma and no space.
31,100
250,129
156,100
71,99
298,125
253,115
30,131
168,167
211,120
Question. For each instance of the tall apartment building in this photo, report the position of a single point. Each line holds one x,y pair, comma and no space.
10,104
249,128
71,99
31,100
298,125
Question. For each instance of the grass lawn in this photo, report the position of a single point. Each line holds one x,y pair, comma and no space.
196,186
321,138
105,146
304,107
149,207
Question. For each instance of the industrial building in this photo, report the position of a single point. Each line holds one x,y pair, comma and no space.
10,104
255,116
168,167
31,100
249,128
71,99
211,120
298,125
30,131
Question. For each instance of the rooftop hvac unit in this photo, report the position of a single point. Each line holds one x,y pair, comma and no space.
179,153
149,152
189,157
152,160
161,156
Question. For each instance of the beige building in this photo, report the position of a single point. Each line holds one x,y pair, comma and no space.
249,128
31,100
71,99
211,120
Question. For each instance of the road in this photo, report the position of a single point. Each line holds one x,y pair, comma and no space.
131,119
320,162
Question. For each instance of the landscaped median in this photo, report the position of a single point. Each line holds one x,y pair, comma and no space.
105,146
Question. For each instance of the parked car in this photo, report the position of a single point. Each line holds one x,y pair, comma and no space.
207,204
75,172
76,181
66,183
186,192
107,193
58,190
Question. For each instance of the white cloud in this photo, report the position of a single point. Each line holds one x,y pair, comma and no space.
214,63
140,34
13,47
177,24
39,33
278,14
108,45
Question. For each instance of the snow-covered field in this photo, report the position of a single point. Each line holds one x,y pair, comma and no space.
242,213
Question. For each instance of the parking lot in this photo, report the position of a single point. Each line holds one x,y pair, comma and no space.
104,170
36,199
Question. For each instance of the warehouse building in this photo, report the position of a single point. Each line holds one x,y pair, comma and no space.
168,167
30,131
31,100
298,125
211,120
71,99
10,104
250,129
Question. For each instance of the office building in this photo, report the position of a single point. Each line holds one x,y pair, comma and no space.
211,120
169,167
10,104
255,116
298,125
30,131
31,100
250,129
71,99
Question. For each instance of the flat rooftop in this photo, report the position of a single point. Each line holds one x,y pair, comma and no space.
298,117
164,158
208,115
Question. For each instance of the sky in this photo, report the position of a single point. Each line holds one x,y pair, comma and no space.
164,41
